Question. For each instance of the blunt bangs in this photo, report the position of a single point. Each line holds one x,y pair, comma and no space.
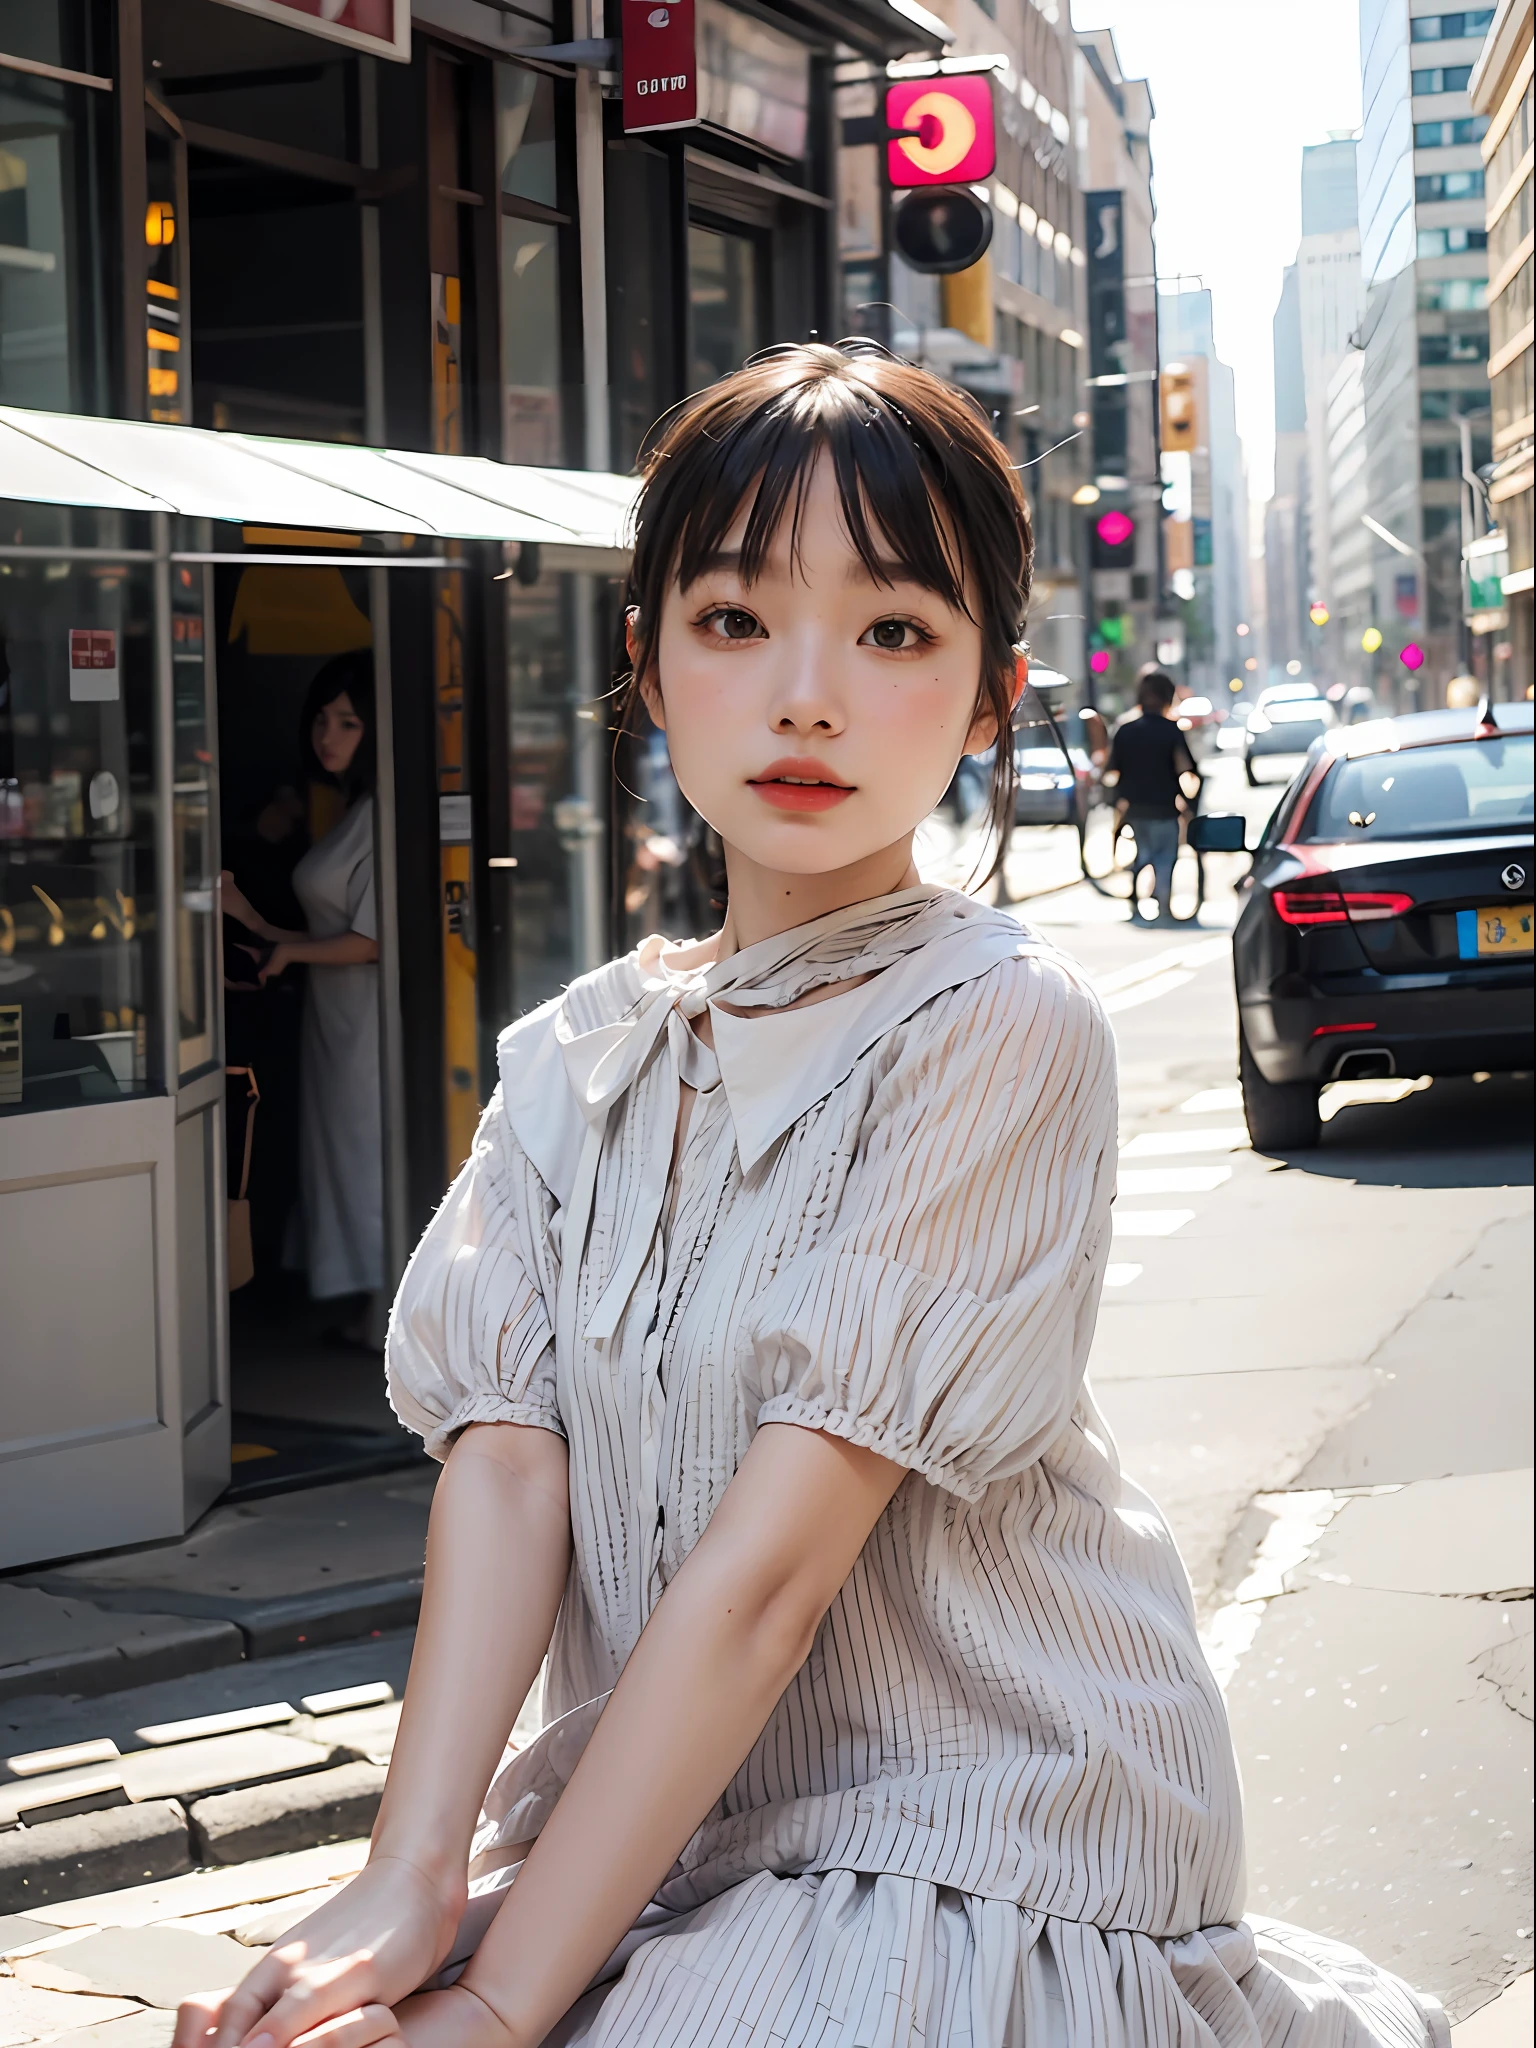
925,492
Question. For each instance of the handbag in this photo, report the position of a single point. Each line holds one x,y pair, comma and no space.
242,1260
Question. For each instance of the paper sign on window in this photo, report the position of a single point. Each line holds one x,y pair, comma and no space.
93,672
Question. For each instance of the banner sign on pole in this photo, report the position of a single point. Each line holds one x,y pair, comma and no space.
381,27
957,145
661,71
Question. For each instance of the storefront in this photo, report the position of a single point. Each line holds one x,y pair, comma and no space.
157,586
229,218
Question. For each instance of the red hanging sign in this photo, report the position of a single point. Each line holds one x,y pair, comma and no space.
661,71
956,144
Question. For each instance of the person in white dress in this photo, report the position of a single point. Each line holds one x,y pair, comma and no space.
341,1178
752,1336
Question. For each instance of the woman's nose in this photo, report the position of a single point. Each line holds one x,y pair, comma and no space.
807,701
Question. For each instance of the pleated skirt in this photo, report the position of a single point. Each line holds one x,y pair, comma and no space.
847,1960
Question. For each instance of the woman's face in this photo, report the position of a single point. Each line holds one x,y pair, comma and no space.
337,733
815,718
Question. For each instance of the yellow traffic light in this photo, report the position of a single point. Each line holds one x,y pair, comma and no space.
1180,408
1370,639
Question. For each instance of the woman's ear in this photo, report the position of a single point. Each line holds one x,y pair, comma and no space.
650,694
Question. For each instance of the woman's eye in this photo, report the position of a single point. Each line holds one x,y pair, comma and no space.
893,636
732,623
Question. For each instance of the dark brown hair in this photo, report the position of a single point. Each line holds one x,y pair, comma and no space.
1155,689
922,483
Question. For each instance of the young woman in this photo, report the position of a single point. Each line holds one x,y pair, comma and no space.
341,1176
753,1339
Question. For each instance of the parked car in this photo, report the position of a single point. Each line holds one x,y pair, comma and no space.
1051,788
1285,721
1386,926
1231,736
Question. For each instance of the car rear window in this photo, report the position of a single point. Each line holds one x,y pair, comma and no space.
1427,792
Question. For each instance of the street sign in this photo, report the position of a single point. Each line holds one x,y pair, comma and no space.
942,230
661,70
956,145
381,27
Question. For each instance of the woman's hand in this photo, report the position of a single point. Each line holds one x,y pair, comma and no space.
363,1951
277,961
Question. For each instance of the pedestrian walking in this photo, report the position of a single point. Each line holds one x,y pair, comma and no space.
1152,771
753,1337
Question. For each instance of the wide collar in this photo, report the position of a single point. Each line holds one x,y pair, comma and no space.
899,950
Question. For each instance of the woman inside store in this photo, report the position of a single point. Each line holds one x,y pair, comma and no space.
341,1180
752,1336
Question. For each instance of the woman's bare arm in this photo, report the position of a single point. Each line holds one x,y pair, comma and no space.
715,1658
346,949
498,1550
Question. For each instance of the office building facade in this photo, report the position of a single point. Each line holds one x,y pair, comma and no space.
1424,264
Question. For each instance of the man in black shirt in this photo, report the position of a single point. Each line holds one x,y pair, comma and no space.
1150,768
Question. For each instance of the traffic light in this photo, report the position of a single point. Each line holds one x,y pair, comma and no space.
1114,540
1180,409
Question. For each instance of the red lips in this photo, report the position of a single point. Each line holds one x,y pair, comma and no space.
799,783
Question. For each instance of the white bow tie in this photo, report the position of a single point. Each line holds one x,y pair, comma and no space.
603,1065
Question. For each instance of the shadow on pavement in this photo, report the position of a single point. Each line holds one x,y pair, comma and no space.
1455,1134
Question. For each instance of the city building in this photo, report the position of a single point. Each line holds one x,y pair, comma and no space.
1329,309
453,238
1424,265
1124,520
1500,92
1287,539
1215,599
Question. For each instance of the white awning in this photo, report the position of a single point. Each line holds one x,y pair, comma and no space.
132,466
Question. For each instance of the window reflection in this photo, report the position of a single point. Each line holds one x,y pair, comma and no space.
52,142
725,291
532,253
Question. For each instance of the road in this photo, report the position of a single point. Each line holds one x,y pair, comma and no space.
1320,1366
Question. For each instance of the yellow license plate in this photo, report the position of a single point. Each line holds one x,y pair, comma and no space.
1497,928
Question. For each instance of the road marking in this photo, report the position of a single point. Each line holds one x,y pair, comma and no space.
1196,954
1169,1144
1150,1222
1149,991
1299,1520
1172,1180
1210,1100
1122,1275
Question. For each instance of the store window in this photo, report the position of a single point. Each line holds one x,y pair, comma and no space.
726,294
78,977
534,255
55,168
753,80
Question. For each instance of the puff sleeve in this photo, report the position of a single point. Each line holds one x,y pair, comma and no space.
470,1336
945,1322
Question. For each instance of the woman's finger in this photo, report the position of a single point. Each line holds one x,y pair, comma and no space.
325,1991
235,2012
197,2017
363,2027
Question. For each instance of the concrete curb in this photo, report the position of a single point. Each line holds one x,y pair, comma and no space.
294,1813
96,1852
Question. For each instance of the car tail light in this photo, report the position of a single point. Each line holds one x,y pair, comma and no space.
1340,906
1328,1030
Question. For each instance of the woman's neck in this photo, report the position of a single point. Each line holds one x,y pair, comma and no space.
764,902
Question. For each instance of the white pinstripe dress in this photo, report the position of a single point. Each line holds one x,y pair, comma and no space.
998,1804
